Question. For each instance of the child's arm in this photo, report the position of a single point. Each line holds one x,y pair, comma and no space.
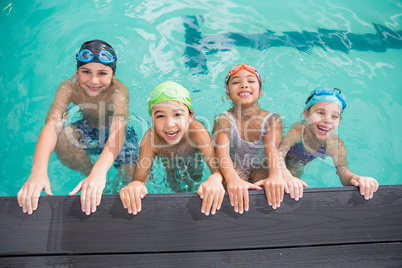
237,188
274,184
294,186
336,149
211,191
92,186
132,194
29,194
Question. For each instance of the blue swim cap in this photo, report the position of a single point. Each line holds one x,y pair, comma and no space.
326,94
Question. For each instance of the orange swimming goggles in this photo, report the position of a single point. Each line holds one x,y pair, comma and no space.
237,68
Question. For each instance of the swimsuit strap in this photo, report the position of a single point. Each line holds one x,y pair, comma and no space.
231,119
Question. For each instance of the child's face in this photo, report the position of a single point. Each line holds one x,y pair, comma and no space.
244,88
171,120
94,78
323,118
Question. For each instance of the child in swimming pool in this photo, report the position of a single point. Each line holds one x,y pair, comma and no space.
314,138
174,138
103,103
247,140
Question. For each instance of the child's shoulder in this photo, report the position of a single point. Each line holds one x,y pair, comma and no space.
334,144
224,119
295,132
197,125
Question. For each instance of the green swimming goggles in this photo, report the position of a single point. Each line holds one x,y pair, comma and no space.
326,94
169,91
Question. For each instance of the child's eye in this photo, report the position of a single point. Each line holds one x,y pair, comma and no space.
335,117
86,72
251,81
103,73
178,114
320,112
159,116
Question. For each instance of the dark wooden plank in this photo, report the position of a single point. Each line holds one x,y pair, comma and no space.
360,255
173,223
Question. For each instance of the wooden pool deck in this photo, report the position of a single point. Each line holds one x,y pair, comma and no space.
328,227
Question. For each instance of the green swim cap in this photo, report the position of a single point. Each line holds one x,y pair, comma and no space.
169,91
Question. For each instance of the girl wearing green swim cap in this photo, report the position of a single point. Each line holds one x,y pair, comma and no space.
315,138
175,137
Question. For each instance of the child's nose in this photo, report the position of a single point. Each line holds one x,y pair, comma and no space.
327,117
95,79
170,122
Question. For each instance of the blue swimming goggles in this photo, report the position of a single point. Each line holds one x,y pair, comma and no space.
104,57
326,94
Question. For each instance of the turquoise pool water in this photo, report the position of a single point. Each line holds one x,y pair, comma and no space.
353,45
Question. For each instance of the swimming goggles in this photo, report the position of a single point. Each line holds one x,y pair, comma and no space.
324,91
237,68
104,57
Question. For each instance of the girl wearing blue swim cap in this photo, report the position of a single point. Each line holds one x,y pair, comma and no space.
314,138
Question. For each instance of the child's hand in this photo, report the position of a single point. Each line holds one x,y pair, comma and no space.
211,192
274,190
238,193
367,185
28,196
131,196
91,191
294,187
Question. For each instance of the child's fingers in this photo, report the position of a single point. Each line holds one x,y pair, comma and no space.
123,198
32,199
231,197
304,184
215,204
35,198
19,197
296,191
88,201
291,190
278,190
144,192
93,198
287,188
99,195
76,189
207,203
354,182
244,201
137,202
82,198
133,203
220,200
200,191
48,190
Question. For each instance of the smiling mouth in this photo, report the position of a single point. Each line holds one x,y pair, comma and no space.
323,130
172,135
244,94
94,88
